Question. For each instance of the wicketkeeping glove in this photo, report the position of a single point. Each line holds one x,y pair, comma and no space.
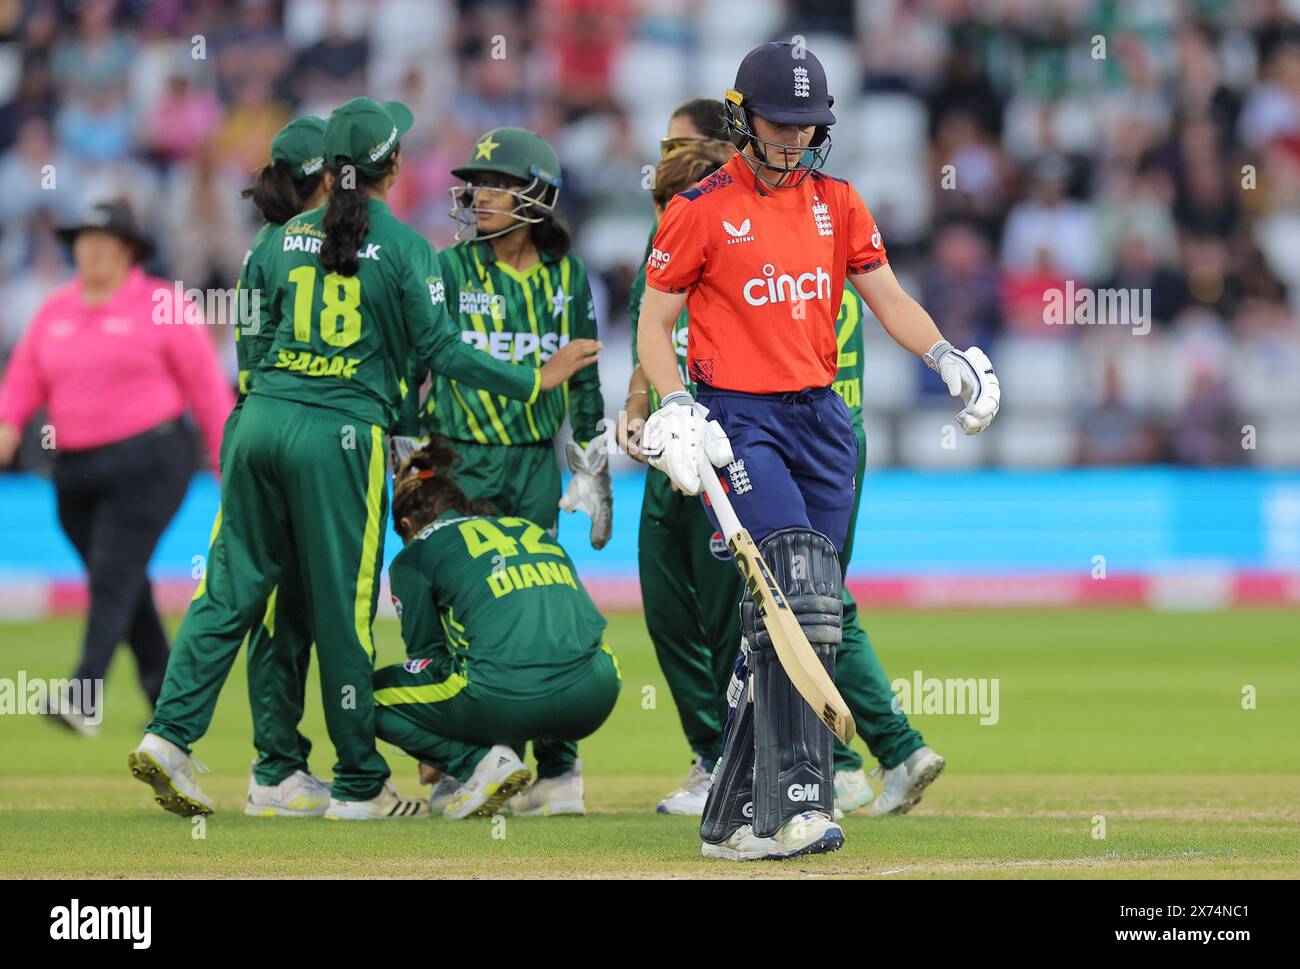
968,374
589,489
675,433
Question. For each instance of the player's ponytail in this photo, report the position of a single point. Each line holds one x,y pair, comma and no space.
423,489
347,218
277,194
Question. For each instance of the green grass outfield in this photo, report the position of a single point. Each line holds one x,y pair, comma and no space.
1133,716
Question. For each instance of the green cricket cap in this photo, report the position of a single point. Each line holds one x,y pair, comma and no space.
301,145
366,132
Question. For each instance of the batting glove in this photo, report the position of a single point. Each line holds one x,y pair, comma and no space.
589,489
675,434
969,375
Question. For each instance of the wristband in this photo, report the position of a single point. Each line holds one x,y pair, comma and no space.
932,356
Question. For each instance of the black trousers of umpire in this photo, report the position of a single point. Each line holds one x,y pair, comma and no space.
114,503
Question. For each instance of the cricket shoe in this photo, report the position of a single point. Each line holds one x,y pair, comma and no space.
741,845
851,791
690,797
552,796
300,795
498,776
167,769
387,805
809,833
905,783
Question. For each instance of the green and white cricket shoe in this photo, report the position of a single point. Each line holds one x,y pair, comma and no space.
166,768
498,776
551,797
852,791
690,797
905,783
443,793
741,845
809,833
300,795
387,805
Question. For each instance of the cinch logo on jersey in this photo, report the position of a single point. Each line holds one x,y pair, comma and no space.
804,792
659,259
478,303
741,234
514,578
513,347
772,288
312,244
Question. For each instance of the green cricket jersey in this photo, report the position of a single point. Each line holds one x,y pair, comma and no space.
345,342
497,603
848,337
251,347
514,315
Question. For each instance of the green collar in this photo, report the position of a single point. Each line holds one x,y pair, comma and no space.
488,256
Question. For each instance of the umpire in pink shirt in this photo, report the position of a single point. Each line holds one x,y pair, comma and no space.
114,382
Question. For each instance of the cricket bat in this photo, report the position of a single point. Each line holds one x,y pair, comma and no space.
797,658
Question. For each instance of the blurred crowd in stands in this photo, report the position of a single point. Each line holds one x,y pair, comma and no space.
1008,149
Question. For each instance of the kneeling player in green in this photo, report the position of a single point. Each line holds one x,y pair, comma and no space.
505,645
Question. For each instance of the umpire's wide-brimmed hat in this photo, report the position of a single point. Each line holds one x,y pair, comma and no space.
114,217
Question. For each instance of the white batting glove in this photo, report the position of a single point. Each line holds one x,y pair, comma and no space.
675,434
400,448
589,489
969,375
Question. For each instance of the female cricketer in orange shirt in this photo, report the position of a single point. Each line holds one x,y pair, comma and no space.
759,253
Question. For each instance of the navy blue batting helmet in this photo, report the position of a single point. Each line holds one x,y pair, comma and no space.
786,85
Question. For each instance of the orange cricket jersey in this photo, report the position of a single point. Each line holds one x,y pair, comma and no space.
765,270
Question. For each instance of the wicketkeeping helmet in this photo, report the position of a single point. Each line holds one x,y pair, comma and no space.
517,153
785,84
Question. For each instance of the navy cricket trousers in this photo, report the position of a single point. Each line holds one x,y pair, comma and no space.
795,460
